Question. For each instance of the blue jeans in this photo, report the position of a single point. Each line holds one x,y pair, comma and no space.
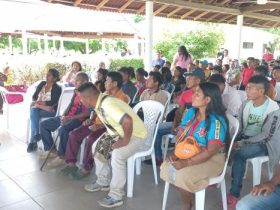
35,115
50,125
163,129
271,202
239,164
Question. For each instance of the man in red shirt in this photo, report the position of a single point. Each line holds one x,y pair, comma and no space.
247,73
267,56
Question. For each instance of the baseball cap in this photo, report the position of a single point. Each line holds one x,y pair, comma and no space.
198,72
205,62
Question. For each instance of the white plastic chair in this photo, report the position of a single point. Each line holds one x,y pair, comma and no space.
153,113
200,195
165,142
63,103
132,100
3,93
257,168
242,95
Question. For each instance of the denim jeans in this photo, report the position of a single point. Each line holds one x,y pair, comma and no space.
50,125
35,115
271,202
239,164
163,129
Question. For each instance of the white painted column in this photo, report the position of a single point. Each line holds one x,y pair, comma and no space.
46,44
87,46
239,34
10,45
24,42
39,44
149,36
61,49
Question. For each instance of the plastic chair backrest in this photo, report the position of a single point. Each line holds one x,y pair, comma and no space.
64,100
233,130
153,113
173,89
132,100
3,92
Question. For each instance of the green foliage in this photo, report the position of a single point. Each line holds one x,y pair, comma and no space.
138,18
4,42
200,43
117,63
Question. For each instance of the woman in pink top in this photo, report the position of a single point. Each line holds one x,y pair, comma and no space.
182,58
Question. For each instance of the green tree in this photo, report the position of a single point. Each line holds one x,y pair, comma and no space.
200,43
4,42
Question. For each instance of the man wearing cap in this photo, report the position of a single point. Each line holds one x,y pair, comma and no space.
185,101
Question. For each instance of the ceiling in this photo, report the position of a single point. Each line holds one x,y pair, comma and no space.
217,11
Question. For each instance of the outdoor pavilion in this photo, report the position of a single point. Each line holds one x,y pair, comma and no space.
41,20
264,14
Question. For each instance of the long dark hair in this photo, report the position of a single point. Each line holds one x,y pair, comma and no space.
215,107
183,51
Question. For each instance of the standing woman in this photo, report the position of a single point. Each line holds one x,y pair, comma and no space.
182,58
70,76
207,123
45,101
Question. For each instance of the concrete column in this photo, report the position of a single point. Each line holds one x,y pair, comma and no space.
239,34
87,46
24,42
46,44
10,44
149,36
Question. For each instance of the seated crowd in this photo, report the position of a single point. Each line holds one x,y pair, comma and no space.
202,93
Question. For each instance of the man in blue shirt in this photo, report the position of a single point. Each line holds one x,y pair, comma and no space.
158,61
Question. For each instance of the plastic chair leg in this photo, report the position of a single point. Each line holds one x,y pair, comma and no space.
165,195
130,176
224,194
257,171
165,148
154,166
138,166
200,200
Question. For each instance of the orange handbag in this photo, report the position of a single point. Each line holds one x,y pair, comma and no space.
186,146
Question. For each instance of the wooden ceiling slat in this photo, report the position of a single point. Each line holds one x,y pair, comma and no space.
141,9
188,13
159,10
200,15
77,2
256,8
101,4
125,5
174,11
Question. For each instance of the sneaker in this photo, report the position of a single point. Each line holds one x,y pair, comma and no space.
110,202
68,170
56,162
231,201
96,187
44,155
32,147
78,175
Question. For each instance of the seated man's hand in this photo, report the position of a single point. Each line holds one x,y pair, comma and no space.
96,127
120,143
263,189
87,122
65,119
178,164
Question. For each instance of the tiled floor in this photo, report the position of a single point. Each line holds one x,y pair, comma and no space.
24,187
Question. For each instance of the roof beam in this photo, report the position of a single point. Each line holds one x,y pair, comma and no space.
159,10
225,1
257,8
77,2
174,11
101,4
213,16
225,17
199,6
200,15
187,13
262,16
123,7
141,9
50,1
